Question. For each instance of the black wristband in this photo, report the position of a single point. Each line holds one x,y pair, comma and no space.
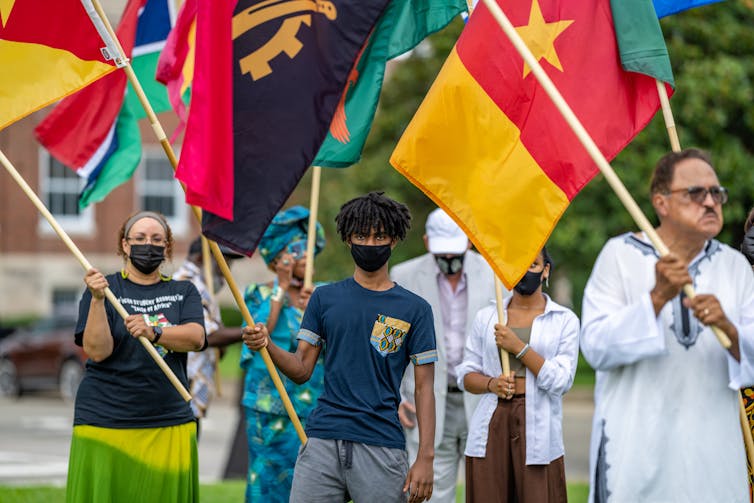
157,334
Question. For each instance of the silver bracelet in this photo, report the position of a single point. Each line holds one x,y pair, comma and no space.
522,352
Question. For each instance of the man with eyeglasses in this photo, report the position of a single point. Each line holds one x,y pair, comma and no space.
666,423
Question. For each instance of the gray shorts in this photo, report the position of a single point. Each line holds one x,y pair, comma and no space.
331,471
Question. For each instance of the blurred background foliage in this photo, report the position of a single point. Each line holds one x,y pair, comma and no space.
712,54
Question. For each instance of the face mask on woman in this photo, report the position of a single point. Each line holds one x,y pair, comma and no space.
146,258
529,283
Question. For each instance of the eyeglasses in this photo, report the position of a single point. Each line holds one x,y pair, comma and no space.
142,240
699,194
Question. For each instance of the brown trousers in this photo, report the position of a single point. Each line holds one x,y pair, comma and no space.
503,476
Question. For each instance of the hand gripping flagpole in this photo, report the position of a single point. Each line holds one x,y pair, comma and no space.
219,258
86,265
609,174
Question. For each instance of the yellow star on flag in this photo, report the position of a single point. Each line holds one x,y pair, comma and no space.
540,36
5,7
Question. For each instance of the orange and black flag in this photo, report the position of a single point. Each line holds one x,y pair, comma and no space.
488,144
268,76
47,51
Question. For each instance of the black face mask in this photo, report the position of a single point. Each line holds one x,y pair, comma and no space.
147,258
370,258
747,246
529,283
450,265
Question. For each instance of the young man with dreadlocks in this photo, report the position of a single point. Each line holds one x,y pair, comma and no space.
372,328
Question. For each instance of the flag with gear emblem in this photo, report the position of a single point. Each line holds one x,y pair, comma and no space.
268,76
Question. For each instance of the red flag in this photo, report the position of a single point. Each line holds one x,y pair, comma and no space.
45,55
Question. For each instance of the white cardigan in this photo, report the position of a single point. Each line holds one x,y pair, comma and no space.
555,336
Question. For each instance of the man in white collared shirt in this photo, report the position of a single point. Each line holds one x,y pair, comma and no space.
666,420
456,282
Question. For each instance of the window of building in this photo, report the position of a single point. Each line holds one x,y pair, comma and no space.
59,190
158,190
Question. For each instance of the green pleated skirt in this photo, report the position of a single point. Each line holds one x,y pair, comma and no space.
135,465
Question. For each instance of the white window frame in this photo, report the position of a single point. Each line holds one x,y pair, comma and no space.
179,220
83,223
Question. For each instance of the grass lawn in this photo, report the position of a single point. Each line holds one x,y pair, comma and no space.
225,492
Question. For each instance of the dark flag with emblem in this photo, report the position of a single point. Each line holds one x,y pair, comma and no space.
268,77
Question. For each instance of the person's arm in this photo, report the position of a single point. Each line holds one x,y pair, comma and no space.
180,338
97,339
284,269
298,366
556,373
420,475
225,336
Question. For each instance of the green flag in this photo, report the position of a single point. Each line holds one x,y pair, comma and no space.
640,41
402,26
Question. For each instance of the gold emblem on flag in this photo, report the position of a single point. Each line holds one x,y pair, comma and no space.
257,63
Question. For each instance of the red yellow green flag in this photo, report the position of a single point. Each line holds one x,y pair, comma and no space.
489,146
46,53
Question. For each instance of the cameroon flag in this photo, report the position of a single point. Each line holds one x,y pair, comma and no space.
46,52
489,146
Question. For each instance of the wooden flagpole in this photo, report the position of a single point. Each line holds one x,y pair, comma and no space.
311,233
86,265
607,171
503,320
219,258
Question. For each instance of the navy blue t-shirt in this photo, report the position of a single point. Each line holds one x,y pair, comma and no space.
127,389
371,336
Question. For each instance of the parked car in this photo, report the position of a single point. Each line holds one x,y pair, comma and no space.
42,357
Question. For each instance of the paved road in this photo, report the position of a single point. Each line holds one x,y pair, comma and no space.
35,438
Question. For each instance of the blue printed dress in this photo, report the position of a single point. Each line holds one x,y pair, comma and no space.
273,442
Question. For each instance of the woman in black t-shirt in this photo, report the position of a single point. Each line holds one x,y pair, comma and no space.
134,437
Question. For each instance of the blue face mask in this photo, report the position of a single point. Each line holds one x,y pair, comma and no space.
370,258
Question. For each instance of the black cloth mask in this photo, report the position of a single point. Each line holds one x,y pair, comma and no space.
747,246
370,258
529,283
450,265
146,258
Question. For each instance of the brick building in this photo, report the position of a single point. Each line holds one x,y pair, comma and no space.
38,274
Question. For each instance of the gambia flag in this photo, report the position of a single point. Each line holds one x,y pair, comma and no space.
489,146
267,80
96,132
45,54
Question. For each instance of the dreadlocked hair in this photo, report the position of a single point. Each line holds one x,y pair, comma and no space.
373,211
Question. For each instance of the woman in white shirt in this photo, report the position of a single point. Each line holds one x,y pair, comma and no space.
514,451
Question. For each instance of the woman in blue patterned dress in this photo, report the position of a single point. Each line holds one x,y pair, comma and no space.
280,304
